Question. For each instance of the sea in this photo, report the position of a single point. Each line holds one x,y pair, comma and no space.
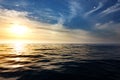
35,61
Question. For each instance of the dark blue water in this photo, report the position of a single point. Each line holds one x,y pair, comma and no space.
21,61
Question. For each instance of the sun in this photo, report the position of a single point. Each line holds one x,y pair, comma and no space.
18,29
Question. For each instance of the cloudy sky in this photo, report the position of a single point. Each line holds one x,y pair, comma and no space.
79,21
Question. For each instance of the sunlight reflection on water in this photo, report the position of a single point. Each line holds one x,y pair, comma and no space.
21,56
19,48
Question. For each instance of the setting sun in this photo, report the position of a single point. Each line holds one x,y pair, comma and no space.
18,29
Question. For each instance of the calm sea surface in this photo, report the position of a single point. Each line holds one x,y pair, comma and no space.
21,61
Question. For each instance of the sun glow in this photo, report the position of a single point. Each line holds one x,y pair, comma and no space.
18,29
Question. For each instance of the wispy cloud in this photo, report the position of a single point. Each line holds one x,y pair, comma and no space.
45,15
95,9
21,4
10,16
112,9
111,26
18,3
61,20
74,7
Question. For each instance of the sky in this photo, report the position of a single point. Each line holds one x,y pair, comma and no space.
61,21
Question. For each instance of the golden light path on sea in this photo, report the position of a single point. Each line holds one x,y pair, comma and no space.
14,51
